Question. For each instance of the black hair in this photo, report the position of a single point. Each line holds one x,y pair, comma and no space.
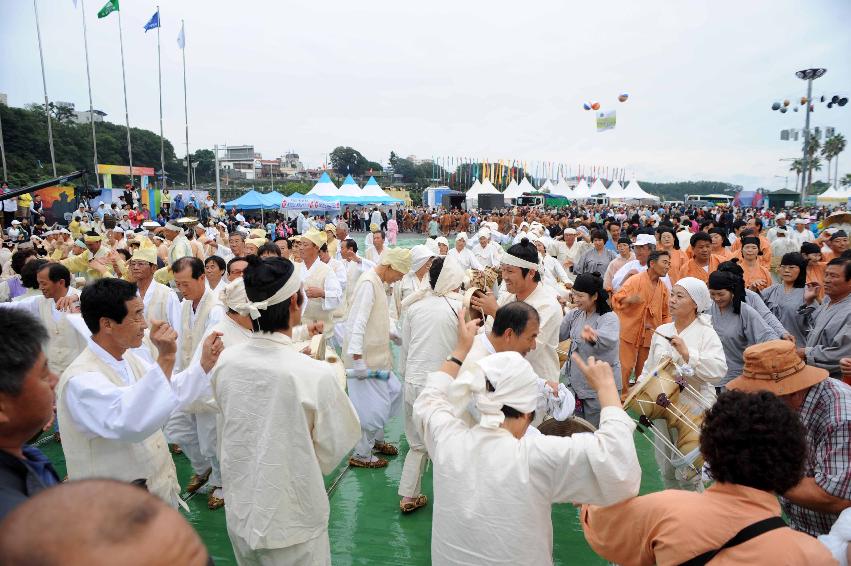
324,248
656,254
193,263
19,258
263,278
738,224
835,261
592,284
269,248
755,440
599,235
105,298
238,234
383,235
725,242
351,244
57,272
516,316
29,273
796,259
810,248
434,271
665,229
526,250
758,222
126,253
700,237
234,260
217,260
22,339
729,277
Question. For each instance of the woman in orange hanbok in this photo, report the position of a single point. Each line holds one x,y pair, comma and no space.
668,241
757,276
721,245
815,266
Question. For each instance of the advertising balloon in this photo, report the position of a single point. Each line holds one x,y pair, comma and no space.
595,106
623,97
775,106
786,102
586,106
783,110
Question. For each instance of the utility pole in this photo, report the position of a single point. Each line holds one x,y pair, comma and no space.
808,75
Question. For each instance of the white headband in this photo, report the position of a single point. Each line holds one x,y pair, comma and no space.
174,227
509,259
290,288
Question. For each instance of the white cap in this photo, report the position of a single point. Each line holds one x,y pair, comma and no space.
118,229
645,240
781,215
570,230
15,222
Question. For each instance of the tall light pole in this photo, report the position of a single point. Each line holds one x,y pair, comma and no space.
808,75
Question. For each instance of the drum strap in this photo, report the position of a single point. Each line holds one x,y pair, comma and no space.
751,531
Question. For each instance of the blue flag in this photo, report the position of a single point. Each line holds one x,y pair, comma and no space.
154,22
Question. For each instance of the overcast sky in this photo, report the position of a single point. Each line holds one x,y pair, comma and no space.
502,80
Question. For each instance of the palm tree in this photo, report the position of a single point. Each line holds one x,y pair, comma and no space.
839,143
798,167
829,152
846,180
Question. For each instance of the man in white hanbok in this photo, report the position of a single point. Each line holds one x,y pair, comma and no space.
520,273
373,388
462,254
487,253
161,302
113,401
323,290
429,332
285,423
415,280
65,342
494,487
194,429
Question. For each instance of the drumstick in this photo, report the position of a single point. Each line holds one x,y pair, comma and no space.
668,338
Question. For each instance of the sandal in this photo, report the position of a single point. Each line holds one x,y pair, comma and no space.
385,448
411,506
358,463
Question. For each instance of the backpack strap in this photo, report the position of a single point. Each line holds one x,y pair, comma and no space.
751,531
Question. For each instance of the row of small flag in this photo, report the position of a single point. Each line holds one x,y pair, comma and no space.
112,6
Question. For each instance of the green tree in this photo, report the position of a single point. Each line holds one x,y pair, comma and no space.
798,167
348,161
846,180
833,146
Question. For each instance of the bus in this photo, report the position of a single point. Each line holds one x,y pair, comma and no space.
544,200
715,199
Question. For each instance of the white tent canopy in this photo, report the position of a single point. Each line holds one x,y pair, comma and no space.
474,189
598,188
616,191
350,188
488,189
525,186
371,189
324,187
547,187
562,188
581,191
512,191
634,191
831,194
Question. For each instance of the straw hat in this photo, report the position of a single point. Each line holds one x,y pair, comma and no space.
775,366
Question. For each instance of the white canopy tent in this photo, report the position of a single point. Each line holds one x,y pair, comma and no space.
488,188
616,191
598,188
634,191
832,195
525,186
547,187
350,188
581,191
371,189
512,191
562,188
325,187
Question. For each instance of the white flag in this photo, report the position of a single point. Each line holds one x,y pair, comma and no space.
181,37
75,3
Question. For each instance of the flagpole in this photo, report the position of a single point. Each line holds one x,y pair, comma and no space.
44,85
160,72
3,151
126,111
186,109
91,104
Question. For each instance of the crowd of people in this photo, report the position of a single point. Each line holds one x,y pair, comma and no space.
269,353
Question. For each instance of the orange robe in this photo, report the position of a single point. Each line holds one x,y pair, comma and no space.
678,261
764,246
724,255
635,319
755,273
692,269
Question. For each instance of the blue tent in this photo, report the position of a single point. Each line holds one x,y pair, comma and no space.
273,199
252,200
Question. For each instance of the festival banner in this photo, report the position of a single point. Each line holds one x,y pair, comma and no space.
606,120
288,203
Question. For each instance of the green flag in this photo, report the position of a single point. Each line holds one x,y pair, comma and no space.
108,8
